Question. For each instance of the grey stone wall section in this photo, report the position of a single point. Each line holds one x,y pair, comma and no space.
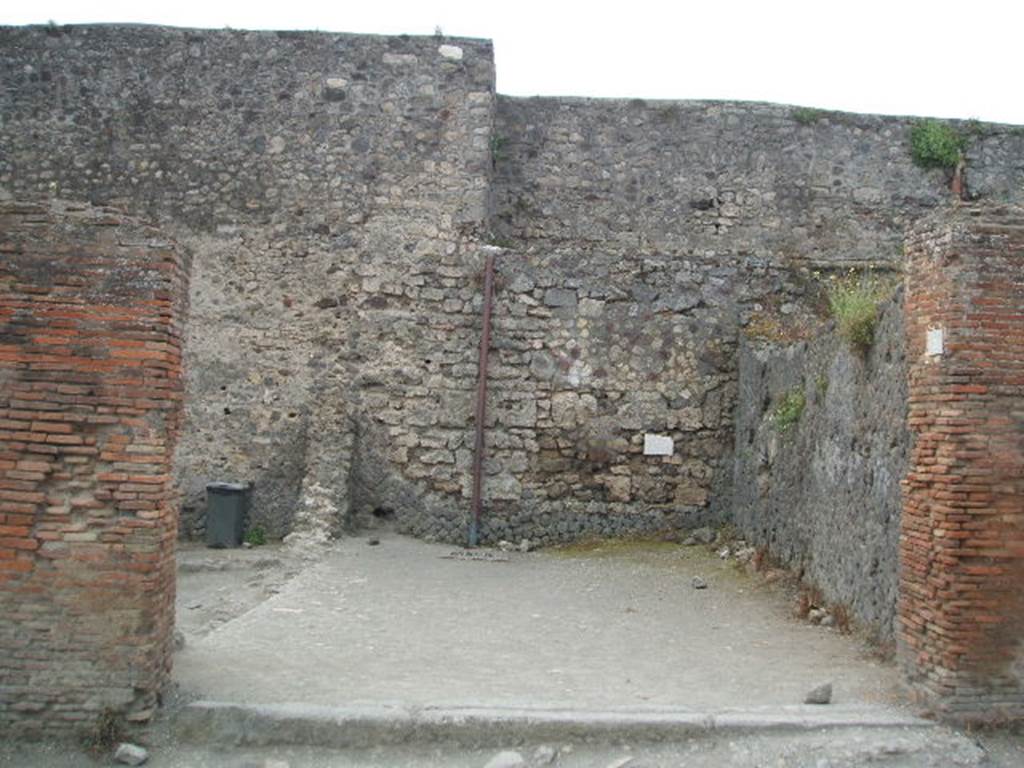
725,178
290,164
577,375
824,496
218,129
676,224
337,192
322,511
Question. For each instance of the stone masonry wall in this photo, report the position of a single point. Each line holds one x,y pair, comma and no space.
671,226
962,543
570,399
91,311
338,192
739,184
295,166
822,495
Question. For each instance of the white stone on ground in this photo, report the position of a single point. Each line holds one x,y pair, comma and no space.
544,755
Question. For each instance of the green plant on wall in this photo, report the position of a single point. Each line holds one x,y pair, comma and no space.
107,730
498,148
821,384
934,144
807,115
853,301
789,409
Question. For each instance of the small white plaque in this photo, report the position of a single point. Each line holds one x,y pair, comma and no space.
658,445
935,343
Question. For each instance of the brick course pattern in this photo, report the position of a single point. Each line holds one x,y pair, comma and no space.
91,305
962,542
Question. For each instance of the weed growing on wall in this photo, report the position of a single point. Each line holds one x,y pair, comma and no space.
853,300
498,149
807,115
934,144
821,384
772,326
766,327
789,410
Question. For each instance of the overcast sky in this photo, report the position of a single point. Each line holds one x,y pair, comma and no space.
913,57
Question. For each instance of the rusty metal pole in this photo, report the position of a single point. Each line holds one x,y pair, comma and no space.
481,404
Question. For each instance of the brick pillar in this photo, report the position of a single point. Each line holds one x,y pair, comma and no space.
962,542
91,305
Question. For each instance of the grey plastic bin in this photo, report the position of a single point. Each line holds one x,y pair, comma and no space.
227,506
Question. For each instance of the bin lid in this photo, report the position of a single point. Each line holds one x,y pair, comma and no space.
227,487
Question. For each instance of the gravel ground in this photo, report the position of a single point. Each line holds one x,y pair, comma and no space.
617,625
853,748
609,626
218,585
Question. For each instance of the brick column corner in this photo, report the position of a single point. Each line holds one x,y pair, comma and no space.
961,608
91,311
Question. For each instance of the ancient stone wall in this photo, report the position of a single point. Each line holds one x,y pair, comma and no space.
738,184
577,376
231,131
295,166
339,194
962,543
338,191
91,321
668,227
818,484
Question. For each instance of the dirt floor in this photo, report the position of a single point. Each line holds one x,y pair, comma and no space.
608,626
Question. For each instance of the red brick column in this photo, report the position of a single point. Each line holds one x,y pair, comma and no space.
91,306
962,543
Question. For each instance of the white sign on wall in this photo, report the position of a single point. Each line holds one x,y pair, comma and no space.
935,344
658,445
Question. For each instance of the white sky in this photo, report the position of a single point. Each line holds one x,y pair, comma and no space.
914,57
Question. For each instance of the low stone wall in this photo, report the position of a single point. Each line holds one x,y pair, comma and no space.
823,494
962,544
91,311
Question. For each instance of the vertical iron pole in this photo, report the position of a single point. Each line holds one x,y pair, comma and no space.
481,403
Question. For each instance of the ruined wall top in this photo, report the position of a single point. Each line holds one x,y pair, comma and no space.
220,128
778,184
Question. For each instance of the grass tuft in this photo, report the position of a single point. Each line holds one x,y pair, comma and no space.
789,410
256,536
807,115
854,300
107,731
